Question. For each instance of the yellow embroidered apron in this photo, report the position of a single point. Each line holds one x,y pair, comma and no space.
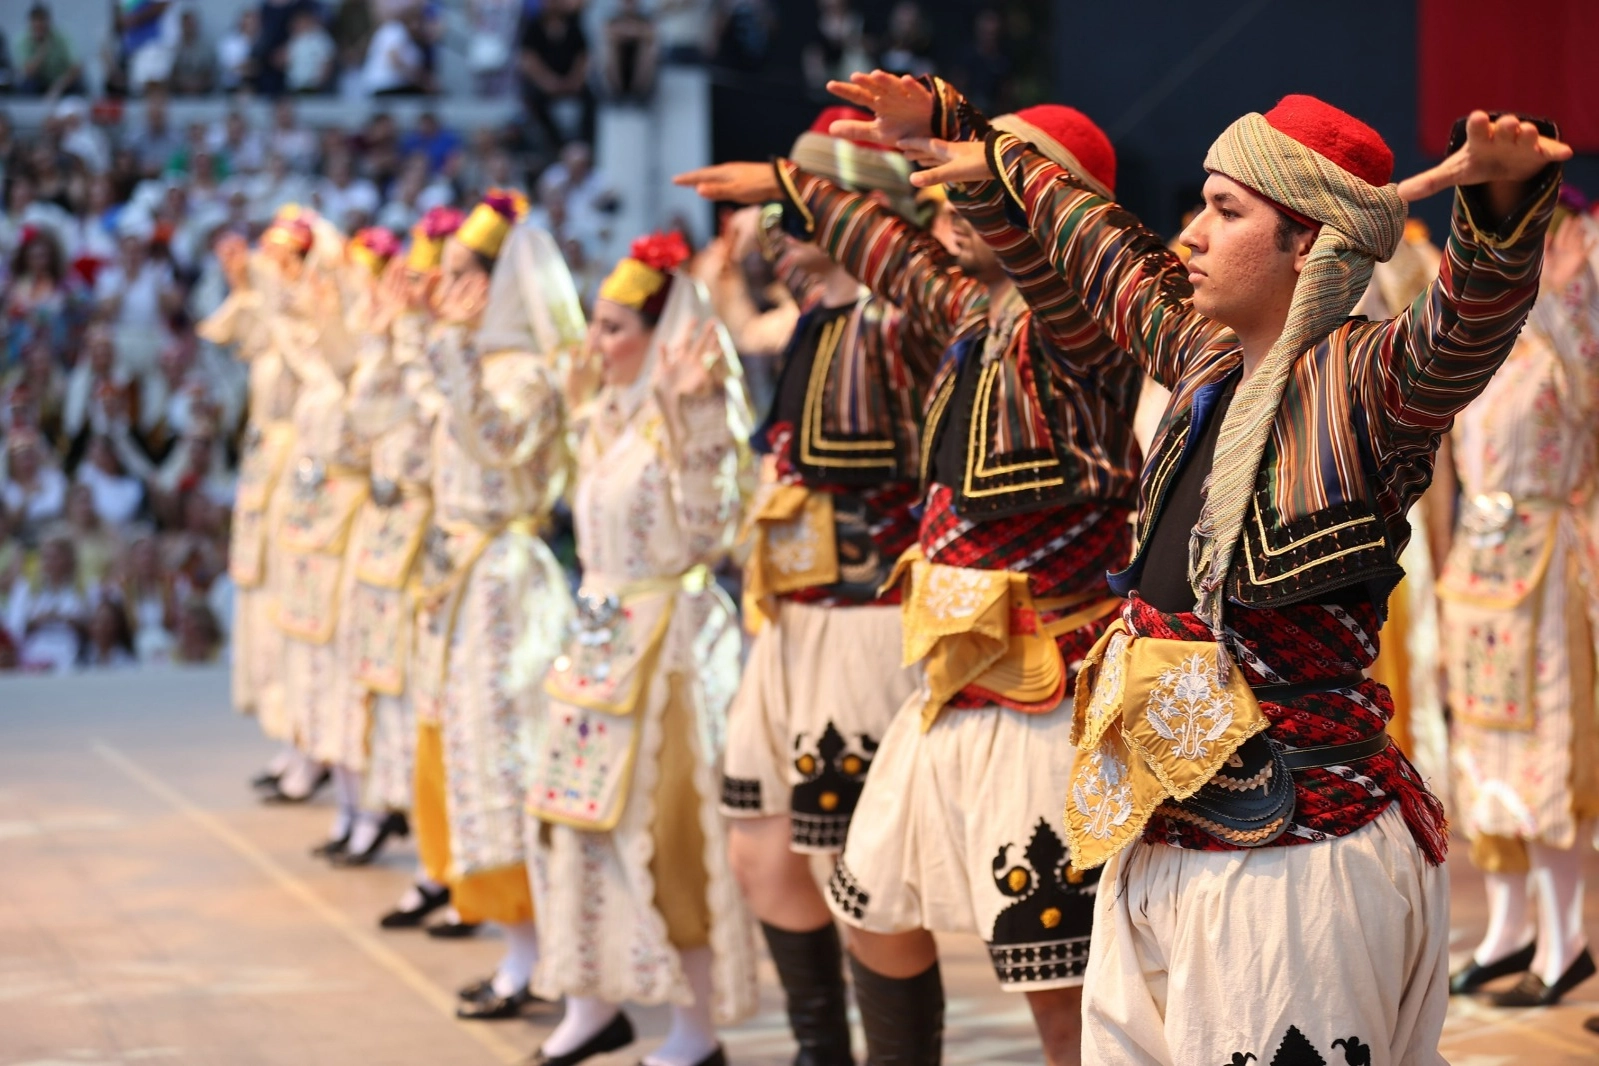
313,535
983,629
266,453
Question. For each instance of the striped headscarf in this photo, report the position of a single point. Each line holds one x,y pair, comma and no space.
1322,165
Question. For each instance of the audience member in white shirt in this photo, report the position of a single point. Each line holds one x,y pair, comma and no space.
347,201
35,489
45,615
116,496
393,59
310,55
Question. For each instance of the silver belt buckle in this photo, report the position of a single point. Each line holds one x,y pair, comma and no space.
385,493
309,476
1487,519
593,633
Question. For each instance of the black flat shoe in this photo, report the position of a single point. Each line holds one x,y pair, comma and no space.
491,1006
715,1058
400,918
266,779
452,930
616,1035
1530,991
478,991
394,825
276,795
1473,976
332,849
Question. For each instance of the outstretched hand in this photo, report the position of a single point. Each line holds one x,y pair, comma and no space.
946,162
902,107
741,183
1502,150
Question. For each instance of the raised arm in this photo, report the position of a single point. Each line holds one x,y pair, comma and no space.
887,254
503,426
1418,370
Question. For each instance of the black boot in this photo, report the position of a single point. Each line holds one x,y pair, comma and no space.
903,1016
811,967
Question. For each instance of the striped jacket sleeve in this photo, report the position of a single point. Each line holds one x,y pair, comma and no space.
1123,273
888,255
1415,372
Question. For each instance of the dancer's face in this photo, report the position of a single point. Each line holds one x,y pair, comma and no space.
1243,273
621,339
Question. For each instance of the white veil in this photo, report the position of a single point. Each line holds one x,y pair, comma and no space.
532,304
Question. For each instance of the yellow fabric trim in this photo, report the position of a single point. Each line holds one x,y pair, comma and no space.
429,809
632,283
791,192
1500,855
1486,239
793,545
484,230
1150,721
677,862
501,895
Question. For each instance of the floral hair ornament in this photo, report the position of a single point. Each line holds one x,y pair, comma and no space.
643,280
372,248
485,229
427,237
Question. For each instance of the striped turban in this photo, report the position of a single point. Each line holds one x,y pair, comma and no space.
1326,167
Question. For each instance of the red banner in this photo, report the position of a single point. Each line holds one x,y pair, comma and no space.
1535,57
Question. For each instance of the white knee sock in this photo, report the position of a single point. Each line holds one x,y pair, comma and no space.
1558,874
347,791
693,1035
521,955
365,831
1509,920
300,776
282,760
584,1017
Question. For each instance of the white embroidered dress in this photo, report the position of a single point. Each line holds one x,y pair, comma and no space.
257,646
654,509
1519,595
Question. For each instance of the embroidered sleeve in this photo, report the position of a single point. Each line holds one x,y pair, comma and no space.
1132,285
1577,340
705,463
886,254
502,428
377,403
237,323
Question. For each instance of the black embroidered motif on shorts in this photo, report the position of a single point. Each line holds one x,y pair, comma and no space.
847,892
1296,1050
833,775
741,793
1043,935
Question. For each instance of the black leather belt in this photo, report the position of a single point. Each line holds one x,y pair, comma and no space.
1285,691
1323,755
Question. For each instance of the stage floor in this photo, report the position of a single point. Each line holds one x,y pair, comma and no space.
152,911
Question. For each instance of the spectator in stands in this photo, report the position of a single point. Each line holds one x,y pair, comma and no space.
985,68
37,301
240,148
144,586
91,236
377,148
110,640
194,58
80,137
34,493
414,193
97,545
146,43
155,140
631,54
46,614
432,140
395,64
908,47
198,466
351,27
90,384
199,635
37,393
837,47
349,201
132,291
488,47
275,186
589,201
288,139
236,59
8,74
114,54
312,54
45,63
682,29
271,42
117,497
553,56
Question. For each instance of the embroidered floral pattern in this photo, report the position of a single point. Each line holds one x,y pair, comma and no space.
1103,794
1187,708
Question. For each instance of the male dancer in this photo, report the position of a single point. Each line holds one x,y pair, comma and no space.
1233,765
1032,470
824,677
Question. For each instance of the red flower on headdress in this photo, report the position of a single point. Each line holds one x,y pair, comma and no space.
379,241
440,222
507,203
661,251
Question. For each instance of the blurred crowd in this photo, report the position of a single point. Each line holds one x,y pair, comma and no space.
119,426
